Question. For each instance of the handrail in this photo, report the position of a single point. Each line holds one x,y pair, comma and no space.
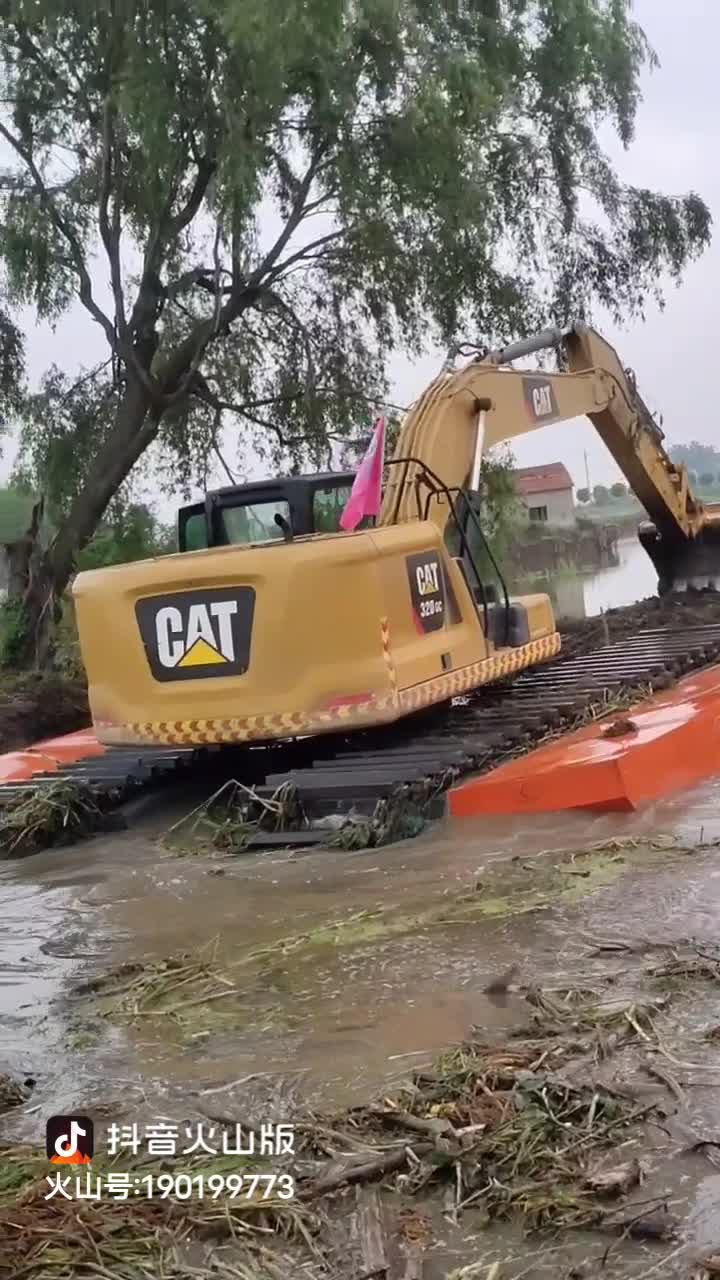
437,487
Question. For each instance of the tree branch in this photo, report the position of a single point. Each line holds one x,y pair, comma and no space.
305,252
288,397
65,230
206,167
86,377
206,332
292,224
184,362
111,236
201,391
235,245
153,250
20,186
197,275
279,304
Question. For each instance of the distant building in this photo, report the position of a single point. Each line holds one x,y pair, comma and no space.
546,493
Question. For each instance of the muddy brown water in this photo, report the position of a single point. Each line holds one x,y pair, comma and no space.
332,1023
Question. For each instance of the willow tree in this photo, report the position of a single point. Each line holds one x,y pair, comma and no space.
256,202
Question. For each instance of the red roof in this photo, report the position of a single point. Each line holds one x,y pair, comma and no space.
554,477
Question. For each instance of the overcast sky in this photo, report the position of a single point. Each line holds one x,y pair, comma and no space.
675,353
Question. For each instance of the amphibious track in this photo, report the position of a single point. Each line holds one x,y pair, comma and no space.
420,756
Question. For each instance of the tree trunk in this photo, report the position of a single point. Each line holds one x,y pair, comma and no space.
49,572
20,554
135,428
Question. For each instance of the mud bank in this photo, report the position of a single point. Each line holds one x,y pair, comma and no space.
486,1039
36,706
680,612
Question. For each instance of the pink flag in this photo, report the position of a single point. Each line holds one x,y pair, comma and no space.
366,495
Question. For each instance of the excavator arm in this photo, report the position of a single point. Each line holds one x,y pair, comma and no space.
466,411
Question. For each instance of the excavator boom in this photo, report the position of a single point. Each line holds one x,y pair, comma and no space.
465,412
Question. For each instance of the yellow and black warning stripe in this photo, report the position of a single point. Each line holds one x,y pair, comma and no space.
377,710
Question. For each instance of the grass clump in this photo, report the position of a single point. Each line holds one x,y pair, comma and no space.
58,813
227,820
168,987
504,1129
61,1239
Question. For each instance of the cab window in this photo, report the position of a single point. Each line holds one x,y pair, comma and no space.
328,506
195,533
254,521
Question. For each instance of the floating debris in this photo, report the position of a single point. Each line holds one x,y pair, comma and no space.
12,1093
58,813
497,1129
126,1238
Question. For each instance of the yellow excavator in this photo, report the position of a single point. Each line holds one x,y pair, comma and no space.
276,628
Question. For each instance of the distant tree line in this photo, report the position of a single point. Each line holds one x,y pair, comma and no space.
601,494
701,460
704,477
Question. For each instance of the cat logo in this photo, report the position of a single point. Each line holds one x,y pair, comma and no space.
540,399
426,576
430,592
195,634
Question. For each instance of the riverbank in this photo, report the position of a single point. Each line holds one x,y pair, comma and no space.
35,706
584,547
678,612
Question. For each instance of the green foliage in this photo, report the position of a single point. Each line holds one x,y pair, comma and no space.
61,428
12,368
62,424
498,510
11,632
501,509
132,533
283,197
600,495
618,490
583,495
15,514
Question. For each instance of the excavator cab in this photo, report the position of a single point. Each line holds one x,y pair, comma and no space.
265,511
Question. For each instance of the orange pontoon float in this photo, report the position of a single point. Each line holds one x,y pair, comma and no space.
620,763
49,755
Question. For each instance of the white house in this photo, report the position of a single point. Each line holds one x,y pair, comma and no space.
546,493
